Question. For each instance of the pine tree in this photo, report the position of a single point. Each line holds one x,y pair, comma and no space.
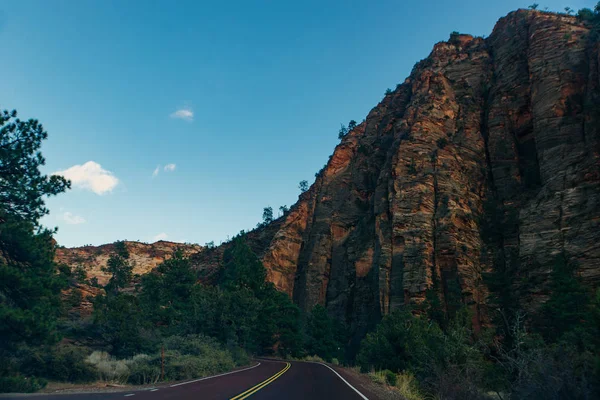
320,338
267,215
29,283
120,269
303,186
22,185
242,268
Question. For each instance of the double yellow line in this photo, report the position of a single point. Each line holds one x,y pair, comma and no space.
261,385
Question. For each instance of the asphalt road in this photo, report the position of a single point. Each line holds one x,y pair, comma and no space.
268,380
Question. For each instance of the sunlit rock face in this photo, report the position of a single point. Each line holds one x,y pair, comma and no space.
143,256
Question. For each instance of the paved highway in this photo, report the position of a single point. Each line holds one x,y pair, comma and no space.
267,379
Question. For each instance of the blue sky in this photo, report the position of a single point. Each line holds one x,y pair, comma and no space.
241,99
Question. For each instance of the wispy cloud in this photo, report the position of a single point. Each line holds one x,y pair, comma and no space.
156,171
170,167
185,114
72,219
160,236
90,176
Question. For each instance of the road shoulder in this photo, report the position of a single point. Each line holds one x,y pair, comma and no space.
362,383
100,387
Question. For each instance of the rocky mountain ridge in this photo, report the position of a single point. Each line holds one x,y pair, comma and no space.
484,162
144,256
483,165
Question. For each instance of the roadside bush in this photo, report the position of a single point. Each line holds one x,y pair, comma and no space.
195,345
239,355
186,357
109,368
314,358
179,367
69,364
448,363
390,377
196,355
385,377
408,387
400,342
377,377
535,370
144,369
20,384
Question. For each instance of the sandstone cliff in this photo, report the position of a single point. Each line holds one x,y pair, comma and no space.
485,159
143,256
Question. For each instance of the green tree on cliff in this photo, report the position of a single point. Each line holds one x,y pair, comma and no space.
303,186
120,269
342,132
267,215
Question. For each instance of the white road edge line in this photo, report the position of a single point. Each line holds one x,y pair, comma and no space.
130,394
153,390
216,376
339,376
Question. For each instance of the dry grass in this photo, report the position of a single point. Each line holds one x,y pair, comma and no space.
408,387
377,377
406,384
314,358
109,368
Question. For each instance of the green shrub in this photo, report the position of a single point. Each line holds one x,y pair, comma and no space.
179,367
206,355
448,363
109,368
400,342
377,377
335,361
390,377
384,377
239,355
314,358
186,357
68,364
20,384
144,369
196,345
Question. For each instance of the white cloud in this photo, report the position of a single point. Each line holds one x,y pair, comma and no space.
170,167
156,171
72,219
90,176
160,236
185,114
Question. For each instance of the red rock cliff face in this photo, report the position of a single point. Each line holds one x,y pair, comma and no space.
485,159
